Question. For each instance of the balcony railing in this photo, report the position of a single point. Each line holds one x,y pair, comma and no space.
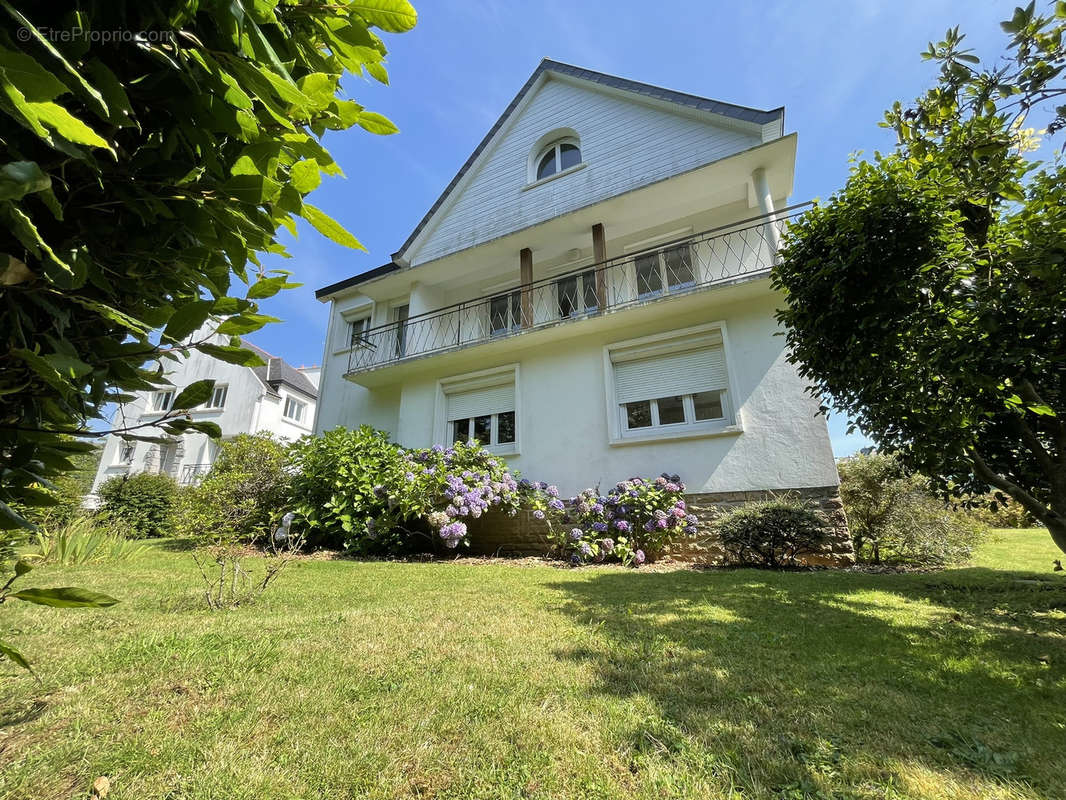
742,250
192,474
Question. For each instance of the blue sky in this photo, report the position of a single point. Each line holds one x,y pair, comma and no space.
835,66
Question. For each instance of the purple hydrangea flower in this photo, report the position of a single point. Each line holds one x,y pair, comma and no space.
607,545
622,525
576,534
638,557
599,527
538,514
661,524
586,549
556,504
553,491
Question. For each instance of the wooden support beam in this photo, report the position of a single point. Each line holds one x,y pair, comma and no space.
525,257
599,255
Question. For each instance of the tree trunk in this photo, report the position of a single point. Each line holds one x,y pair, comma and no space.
1057,527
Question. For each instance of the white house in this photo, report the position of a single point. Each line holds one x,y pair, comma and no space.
590,298
277,398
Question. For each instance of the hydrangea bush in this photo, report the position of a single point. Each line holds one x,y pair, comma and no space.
633,522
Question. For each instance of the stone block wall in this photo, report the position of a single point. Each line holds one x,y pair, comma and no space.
524,535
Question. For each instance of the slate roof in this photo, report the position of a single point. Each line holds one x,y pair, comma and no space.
742,113
278,371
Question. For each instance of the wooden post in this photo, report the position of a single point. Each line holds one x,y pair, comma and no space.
599,256
525,257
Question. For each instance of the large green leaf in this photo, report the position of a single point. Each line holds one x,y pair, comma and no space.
7,651
376,123
65,597
232,355
187,319
195,394
394,16
67,125
19,178
34,82
329,227
245,323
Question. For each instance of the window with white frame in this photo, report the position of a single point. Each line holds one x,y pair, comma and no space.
357,329
671,386
218,397
576,294
482,409
294,409
664,271
161,401
562,154
126,451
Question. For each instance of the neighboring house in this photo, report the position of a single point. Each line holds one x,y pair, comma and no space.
590,299
277,398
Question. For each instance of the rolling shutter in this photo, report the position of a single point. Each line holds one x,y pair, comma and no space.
669,374
477,402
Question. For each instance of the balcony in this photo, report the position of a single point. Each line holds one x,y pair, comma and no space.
730,254
192,474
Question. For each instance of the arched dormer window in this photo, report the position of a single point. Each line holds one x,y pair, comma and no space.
558,155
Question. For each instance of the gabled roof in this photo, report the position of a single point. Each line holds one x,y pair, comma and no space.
278,371
739,113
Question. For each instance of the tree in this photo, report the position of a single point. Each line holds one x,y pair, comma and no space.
927,296
151,151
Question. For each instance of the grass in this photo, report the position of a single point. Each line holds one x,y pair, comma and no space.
494,681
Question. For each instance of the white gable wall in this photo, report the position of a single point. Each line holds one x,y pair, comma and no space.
625,144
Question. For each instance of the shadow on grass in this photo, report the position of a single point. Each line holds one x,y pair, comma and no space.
812,684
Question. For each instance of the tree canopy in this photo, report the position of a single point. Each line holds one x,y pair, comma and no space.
927,297
150,153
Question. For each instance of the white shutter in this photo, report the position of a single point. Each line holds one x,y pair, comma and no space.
670,374
477,402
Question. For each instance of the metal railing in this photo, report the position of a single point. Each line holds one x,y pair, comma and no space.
744,249
191,474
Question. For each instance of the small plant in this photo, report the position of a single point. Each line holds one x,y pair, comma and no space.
773,533
84,540
143,502
634,522
228,582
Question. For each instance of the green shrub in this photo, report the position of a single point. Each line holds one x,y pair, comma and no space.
334,479
996,511
244,492
773,533
142,502
894,518
67,492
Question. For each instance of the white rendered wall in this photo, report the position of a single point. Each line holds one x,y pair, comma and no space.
624,145
563,424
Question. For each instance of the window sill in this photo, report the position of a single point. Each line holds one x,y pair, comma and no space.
663,435
550,178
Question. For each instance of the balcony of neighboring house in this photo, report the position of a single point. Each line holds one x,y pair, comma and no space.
724,256
192,474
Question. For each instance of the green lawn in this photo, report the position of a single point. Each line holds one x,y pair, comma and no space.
502,681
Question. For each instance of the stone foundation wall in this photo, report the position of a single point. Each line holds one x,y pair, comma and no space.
524,535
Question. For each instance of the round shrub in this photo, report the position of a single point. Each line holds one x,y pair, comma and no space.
773,533
336,480
633,522
142,502
245,491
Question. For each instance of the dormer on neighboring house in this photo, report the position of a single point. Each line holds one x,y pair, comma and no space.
276,397
590,299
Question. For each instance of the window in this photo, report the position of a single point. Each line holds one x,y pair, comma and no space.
670,386
168,454
558,156
126,451
357,329
505,313
218,396
400,315
577,294
670,268
161,401
294,409
481,408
